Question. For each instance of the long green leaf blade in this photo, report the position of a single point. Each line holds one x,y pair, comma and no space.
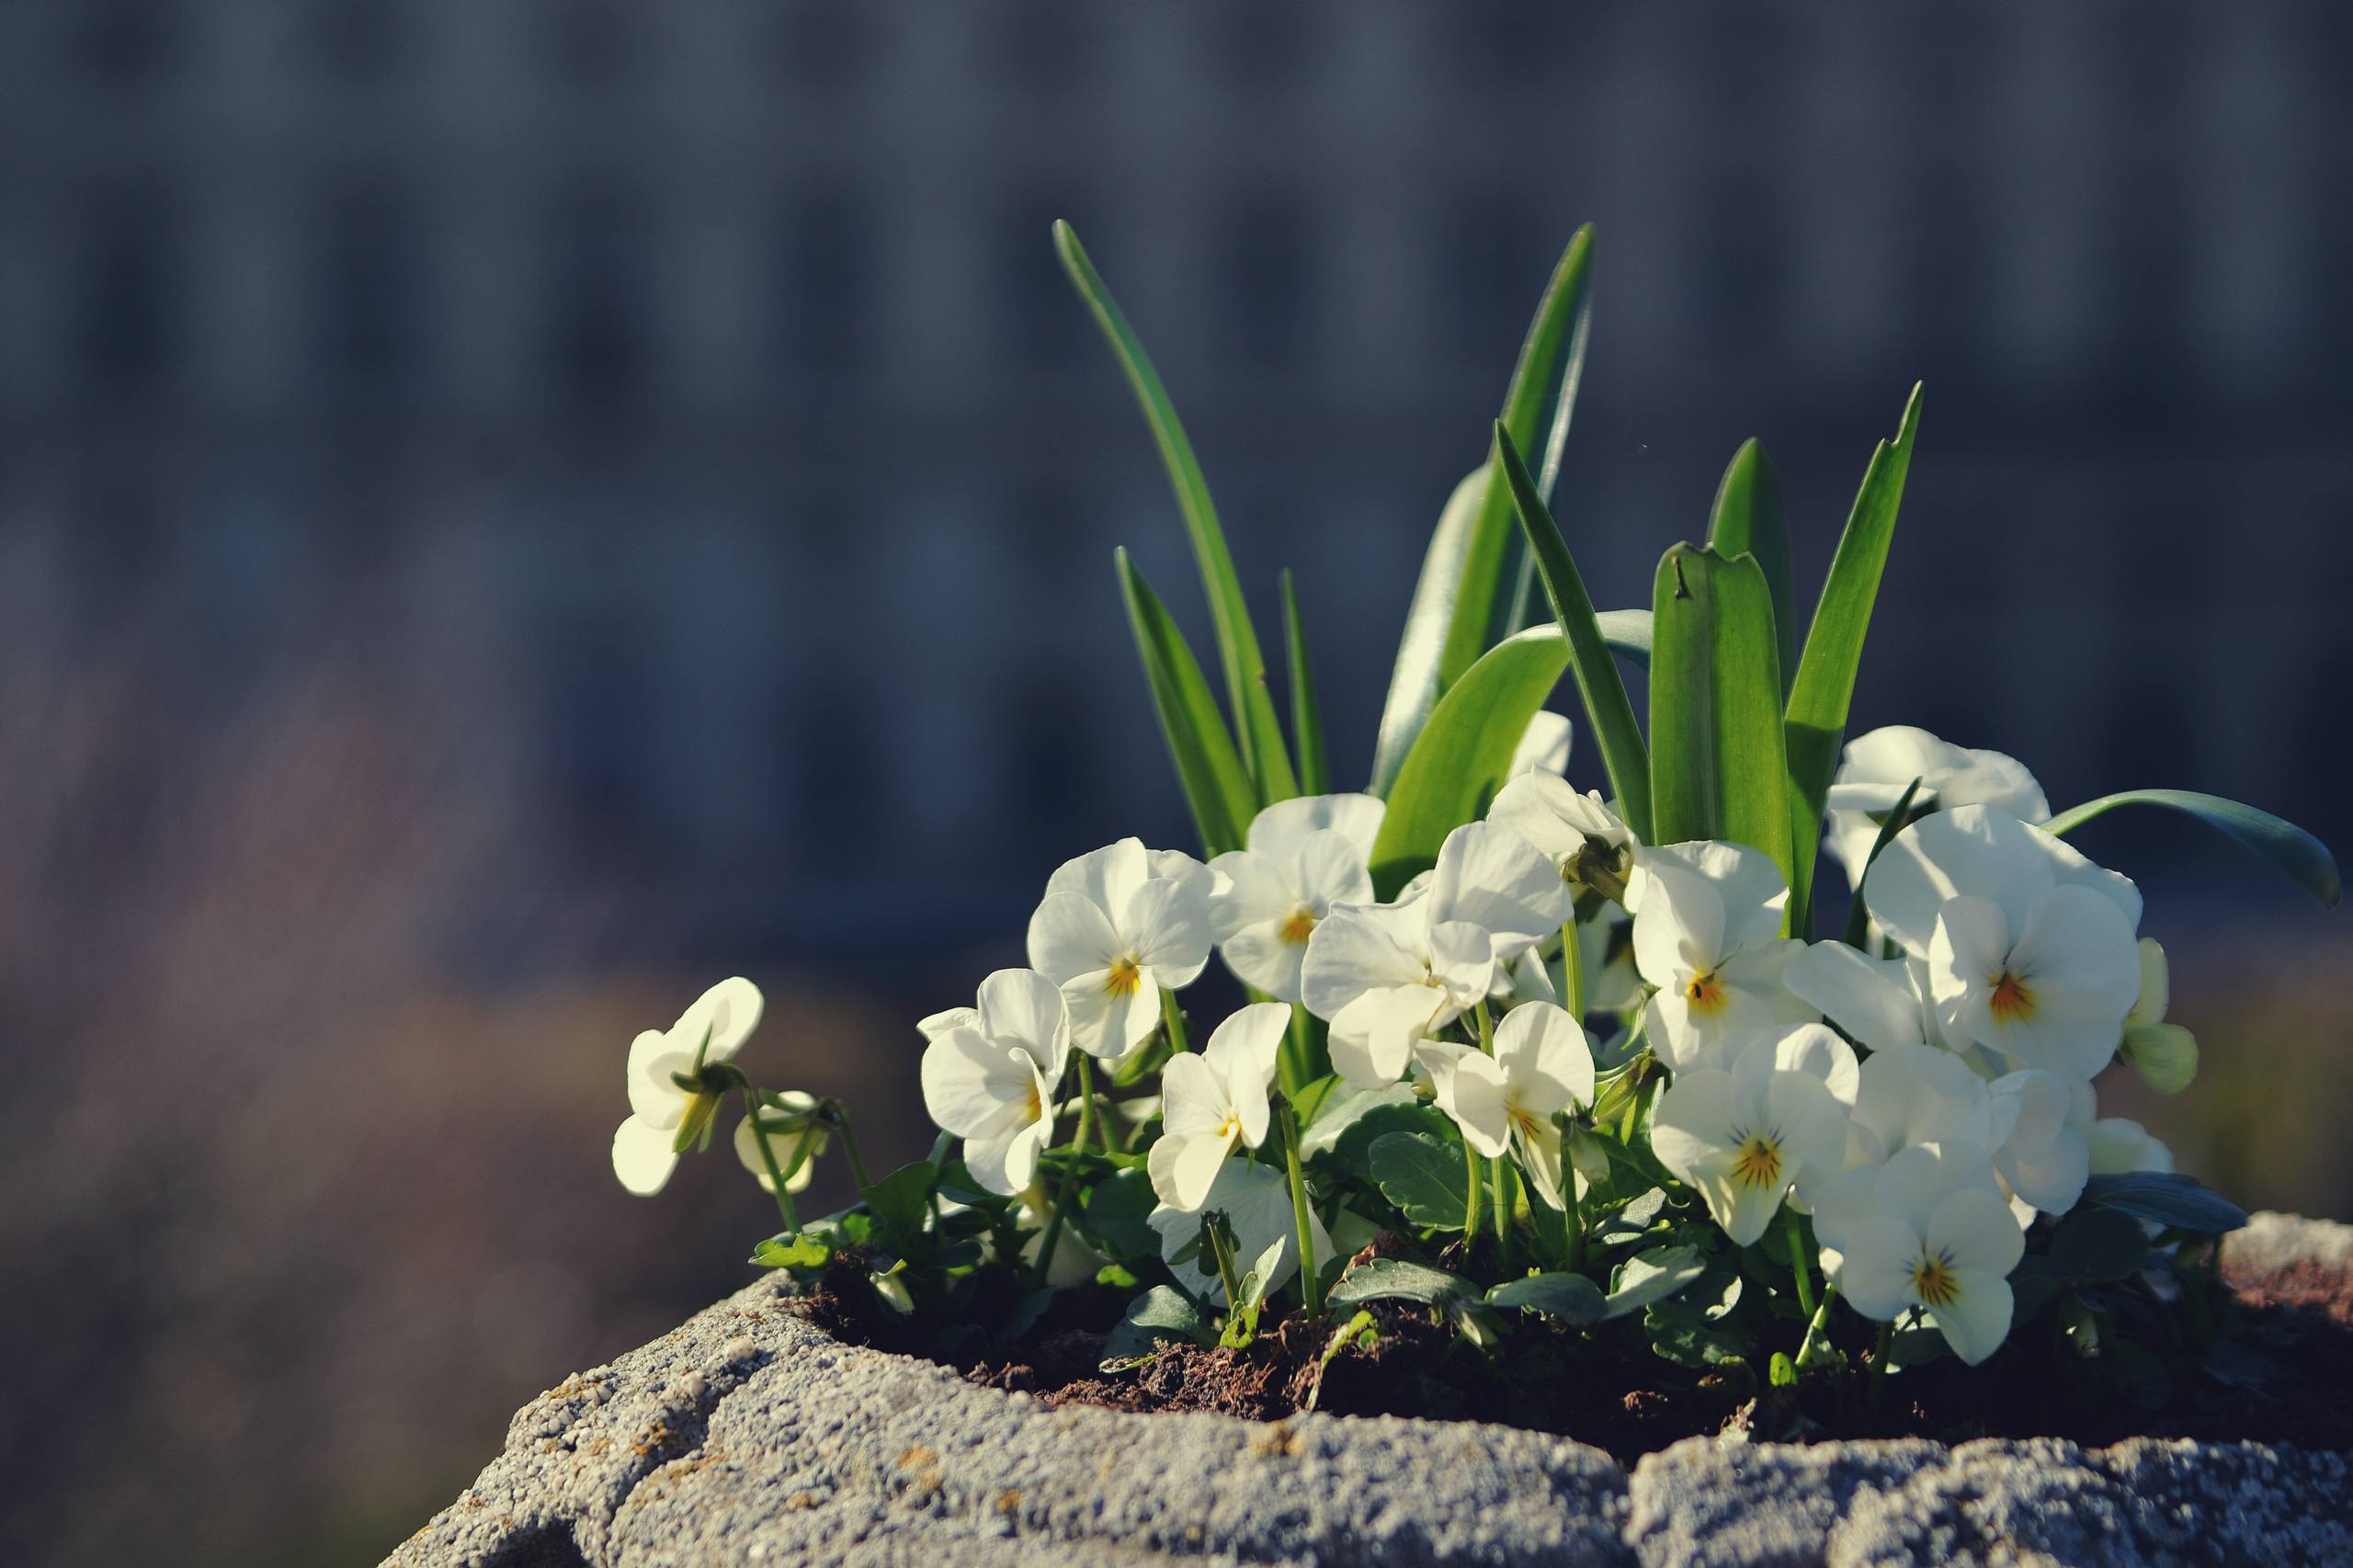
1262,757
1606,707
2275,841
1825,688
1554,354
1413,687
1208,767
1627,632
1748,520
1306,714
1716,767
1464,753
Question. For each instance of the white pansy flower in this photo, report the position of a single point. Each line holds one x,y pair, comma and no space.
1607,946
992,1082
1304,855
1578,833
2030,946
1545,744
1213,1101
1543,1066
1115,928
1743,1135
1930,1229
2164,1055
1255,1201
1916,1094
1386,975
712,1030
1879,1002
2120,1146
1707,935
1876,767
2041,1154
795,1139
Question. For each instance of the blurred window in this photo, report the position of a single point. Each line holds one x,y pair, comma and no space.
1260,46
590,44
1040,320
128,43
599,294
828,256
358,42
1045,46
827,49
1486,275
125,336
364,284
1265,299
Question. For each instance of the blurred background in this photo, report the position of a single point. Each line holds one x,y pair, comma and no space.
513,509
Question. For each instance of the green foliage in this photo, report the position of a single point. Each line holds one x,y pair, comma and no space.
2167,1197
2275,841
1216,785
1306,716
1747,521
1427,1180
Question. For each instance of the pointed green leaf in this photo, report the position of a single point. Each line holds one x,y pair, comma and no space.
1571,1297
1263,761
1554,348
1464,753
1216,788
2275,841
2167,1197
1413,681
1306,716
1651,1276
1716,767
1747,521
1394,1279
1627,632
1426,1179
1859,913
1823,687
1607,711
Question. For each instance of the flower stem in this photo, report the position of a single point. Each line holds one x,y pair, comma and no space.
1294,1061
1310,1284
1486,1028
1878,1368
1572,971
849,1147
767,1157
1817,1330
1499,1172
1797,1270
1086,1104
1223,1256
1070,1173
1471,1206
1174,1019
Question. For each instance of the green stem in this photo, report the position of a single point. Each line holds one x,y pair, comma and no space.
1817,1335
1797,1270
1069,1175
1499,1172
1174,1019
1486,1028
1471,1206
1223,1257
1572,971
857,1160
1292,1064
1879,1368
1311,1283
1086,1104
767,1157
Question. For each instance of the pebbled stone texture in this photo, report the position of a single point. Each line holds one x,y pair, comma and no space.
747,1437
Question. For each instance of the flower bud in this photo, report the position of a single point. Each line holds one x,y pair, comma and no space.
1587,1156
893,1292
2164,1055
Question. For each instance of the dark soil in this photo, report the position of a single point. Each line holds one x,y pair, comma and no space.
2283,1374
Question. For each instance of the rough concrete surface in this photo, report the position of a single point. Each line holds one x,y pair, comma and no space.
747,1437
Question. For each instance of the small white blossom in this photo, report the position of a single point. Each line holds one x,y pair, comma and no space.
1304,855
991,1082
1255,1201
2041,1154
1916,1094
712,1030
1743,1135
1876,767
1543,1066
1879,1002
1928,1229
1115,928
1213,1101
1707,935
2164,1055
795,1139
1586,841
1545,744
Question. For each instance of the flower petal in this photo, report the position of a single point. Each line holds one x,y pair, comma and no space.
1870,998
1023,1009
1107,878
1359,948
642,1158
1490,877
1249,1042
730,1010
1545,1055
1974,1229
1279,831
1170,926
1977,1319
1069,934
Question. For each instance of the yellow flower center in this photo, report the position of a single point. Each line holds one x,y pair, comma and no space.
2011,1003
1298,927
1525,1122
1124,975
1035,1103
1934,1282
1758,1161
1705,991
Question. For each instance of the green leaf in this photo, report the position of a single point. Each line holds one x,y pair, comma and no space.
2277,843
1393,1279
1691,1337
1571,1297
900,1200
1747,521
1306,716
1555,351
1310,1099
2098,1246
1651,1276
1161,1313
1117,1209
802,1250
1859,913
1353,1128
1413,687
1823,687
1716,767
1216,786
2167,1198
1607,709
1238,643
1423,1177
1627,633
1464,754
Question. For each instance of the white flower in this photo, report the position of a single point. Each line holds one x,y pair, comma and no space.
1255,1200
1916,1094
1545,744
2030,947
712,1030
1876,767
1386,975
1743,1135
2041,1153
2119,1146
1707,935
1579,833
1928,1229
789,1119
1879,1002
991,1082
1214,1100
1114,928
1304,855
2165,1054
1542,1065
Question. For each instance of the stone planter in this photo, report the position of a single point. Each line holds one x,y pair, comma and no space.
747,1437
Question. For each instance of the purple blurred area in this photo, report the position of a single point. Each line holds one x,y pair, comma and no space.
512,511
